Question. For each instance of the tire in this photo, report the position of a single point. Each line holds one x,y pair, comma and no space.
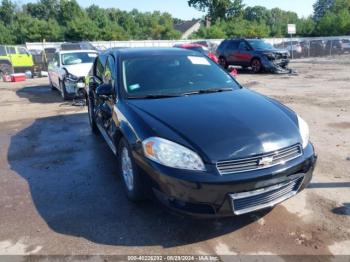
130,174
65,95
223,62
256,65
53,88
92,121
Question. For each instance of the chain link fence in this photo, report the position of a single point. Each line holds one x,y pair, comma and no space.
297,47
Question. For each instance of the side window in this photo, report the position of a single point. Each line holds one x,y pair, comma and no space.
99,69
22,51
11,50
2,50
232,46
56,59
109,76
243,46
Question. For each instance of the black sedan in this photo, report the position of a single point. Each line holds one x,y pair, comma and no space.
186,132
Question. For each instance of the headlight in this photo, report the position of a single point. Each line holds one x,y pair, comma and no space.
270,55
304,131
170,154
71,77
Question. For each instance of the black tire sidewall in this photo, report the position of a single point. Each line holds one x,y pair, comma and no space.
92,122
223,62
260,68
63,90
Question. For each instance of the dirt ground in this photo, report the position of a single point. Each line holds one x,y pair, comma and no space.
60,194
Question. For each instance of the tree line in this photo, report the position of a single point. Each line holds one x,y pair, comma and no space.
66,20
230,18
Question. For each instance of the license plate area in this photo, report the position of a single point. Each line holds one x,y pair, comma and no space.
250,201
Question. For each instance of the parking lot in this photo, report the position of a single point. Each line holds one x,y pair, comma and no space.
59,195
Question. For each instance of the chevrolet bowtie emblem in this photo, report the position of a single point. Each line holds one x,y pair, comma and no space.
265,161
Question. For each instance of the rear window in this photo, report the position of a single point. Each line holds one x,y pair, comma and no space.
2,50
200,49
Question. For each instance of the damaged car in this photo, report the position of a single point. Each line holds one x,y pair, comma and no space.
252,53
68,70
185,132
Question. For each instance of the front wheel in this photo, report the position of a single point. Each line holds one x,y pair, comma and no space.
53,88
91,113
130,174
65,95
256,65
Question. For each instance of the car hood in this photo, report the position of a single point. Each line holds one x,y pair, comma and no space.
224,125
79,70
278,51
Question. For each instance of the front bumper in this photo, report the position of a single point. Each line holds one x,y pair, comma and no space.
75,87
209,194
275,65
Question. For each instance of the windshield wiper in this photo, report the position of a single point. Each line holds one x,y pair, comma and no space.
153,96
208,91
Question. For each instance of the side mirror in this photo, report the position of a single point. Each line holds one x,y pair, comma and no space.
104,91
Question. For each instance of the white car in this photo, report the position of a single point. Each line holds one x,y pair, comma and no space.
345,45
68,70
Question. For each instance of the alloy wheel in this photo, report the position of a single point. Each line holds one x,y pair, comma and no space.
127,170
256,65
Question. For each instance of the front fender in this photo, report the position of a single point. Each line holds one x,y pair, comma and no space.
128,133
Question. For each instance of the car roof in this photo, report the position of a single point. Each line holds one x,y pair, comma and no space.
77,51
188,45
141,52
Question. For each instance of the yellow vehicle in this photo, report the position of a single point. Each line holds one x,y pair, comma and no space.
15,59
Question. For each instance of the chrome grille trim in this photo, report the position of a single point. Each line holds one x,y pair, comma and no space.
250,201
252,163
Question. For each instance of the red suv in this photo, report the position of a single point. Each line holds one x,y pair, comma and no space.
199,48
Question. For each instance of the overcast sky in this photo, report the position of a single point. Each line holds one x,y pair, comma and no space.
180,9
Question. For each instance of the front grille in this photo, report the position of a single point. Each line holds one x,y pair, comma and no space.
266,197
279,56
259,162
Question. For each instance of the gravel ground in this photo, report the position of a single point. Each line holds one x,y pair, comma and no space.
60,194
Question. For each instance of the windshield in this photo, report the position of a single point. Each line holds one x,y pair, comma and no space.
259,44
173,75
78,58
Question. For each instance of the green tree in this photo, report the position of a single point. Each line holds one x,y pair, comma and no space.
218,9
306,27
81,29
321,7
7,12
6,36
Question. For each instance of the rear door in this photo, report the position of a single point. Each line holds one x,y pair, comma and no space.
245,54
232,53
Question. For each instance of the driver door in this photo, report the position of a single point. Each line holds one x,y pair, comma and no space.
53,70
108,103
